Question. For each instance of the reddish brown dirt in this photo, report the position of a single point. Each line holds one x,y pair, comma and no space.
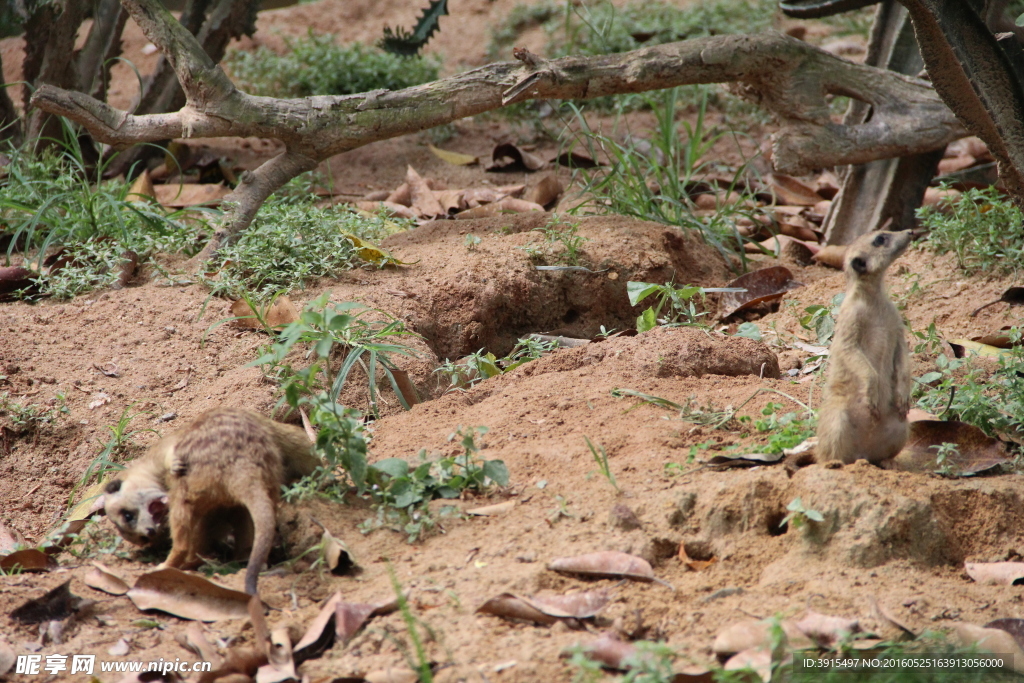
900,537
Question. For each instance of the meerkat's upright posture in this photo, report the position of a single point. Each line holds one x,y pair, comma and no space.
229,458
867,394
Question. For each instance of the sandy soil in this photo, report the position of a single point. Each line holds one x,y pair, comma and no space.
896,536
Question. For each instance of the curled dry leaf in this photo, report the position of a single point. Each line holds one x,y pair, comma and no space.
826,630
611,563
401,196
281,667
454,158
831,255
730,461
55,605
396,675
422,197
102,579
142,188
14,278
194,640
993,640
187,596
546,191
763,286
509,158
693,565
1013,296
1000,340
27,560
337,620
976,451
789,190
546,609
493,510
610,650
996,573
754,634
758,660
280,313
575,160
506,205
962,348
783,245
336,555
452,201
177,196
891,628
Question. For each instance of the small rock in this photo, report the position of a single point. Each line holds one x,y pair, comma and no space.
622,517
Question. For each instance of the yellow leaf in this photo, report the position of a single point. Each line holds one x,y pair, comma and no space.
984,350
371,253
453,157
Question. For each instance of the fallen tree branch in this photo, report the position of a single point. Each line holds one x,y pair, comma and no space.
787,76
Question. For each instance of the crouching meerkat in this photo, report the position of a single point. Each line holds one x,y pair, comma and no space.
201,475
867,393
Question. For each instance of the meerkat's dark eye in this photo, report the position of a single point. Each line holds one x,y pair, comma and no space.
878,241
129,517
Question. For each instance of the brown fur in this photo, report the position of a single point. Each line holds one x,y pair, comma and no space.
229,458
867,395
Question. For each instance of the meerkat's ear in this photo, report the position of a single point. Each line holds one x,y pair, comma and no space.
859,264
113,486
158,508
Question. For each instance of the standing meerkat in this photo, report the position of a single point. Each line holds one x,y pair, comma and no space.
195,478
867,393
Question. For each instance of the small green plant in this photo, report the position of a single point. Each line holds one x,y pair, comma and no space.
315,65
341,443
799,516
558,233
784,430
28,417
290,242
471,241
77,233
402,492
111,456
981,227
601,458
331,331
97,540
676,302
944,453
481,365
421,661
822,319
990,399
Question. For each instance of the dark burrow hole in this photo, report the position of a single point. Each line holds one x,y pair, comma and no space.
774,522
699,550
571,316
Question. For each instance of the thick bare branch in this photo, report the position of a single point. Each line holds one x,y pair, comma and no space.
787,76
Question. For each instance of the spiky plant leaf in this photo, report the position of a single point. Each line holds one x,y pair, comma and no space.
399,41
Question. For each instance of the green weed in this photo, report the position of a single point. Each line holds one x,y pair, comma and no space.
111,456
290,242
341,331
601,458
481,365
676,303
558,234
402,491
822,319
27,417
315,65
421,662
784,430
799,515
79,233
655,184
981,227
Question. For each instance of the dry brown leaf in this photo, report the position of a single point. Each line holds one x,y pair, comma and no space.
9,539
831,255
396,210
282,312
890,627
792,191
826,630
452,201
336,555
916,415
693,565
994,640
799,228
606,563
396,675
610,650
507,157
752,634
178,196
142,189
934,196
511,606
506,205
827,185
7,658
402,195
14,278
54,605
187,596
102,579
977,452
319,637
194,640
423,201
454,158
493,510
996,573
546,191
954,164
784,245
758,660
376,196
571,606
27,560
763,286
575,160
280,667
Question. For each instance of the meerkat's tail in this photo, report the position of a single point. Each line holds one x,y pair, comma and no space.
261,508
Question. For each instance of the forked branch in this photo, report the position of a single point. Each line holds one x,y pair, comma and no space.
790,78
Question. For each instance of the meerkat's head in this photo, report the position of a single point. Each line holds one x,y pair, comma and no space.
138,512
872,253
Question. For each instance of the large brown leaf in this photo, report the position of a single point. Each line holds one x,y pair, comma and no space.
546,609
977,451
610,563
996,573
789,190
187,596
763,286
